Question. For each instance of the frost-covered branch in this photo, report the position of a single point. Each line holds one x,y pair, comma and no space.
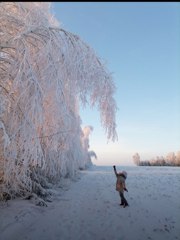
46,73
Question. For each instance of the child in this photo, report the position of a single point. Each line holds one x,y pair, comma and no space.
121,186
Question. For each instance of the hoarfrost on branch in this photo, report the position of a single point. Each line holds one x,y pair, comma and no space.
46,73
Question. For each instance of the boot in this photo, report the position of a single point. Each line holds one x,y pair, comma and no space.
122,203
125,205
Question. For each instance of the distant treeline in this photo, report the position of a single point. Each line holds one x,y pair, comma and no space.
171,159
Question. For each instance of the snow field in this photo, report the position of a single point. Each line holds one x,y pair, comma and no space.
88,208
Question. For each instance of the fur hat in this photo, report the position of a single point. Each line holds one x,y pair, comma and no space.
124,173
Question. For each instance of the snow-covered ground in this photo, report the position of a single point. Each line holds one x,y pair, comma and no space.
88,208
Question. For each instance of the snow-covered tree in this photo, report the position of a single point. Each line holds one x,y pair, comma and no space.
178,158
92,154
46,73
86,131
171,158
136,159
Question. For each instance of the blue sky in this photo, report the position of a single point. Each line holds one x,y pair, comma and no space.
140,43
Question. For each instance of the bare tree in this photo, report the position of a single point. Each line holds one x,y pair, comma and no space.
46,73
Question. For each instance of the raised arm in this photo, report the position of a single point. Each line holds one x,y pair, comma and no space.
114,167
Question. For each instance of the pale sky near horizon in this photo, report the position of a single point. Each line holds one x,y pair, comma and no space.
140,43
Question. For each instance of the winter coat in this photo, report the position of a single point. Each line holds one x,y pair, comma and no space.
120,183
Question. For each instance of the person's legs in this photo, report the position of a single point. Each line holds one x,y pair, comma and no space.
123,200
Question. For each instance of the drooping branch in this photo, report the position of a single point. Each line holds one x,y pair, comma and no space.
46,73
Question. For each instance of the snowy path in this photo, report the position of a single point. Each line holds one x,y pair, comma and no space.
90,210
